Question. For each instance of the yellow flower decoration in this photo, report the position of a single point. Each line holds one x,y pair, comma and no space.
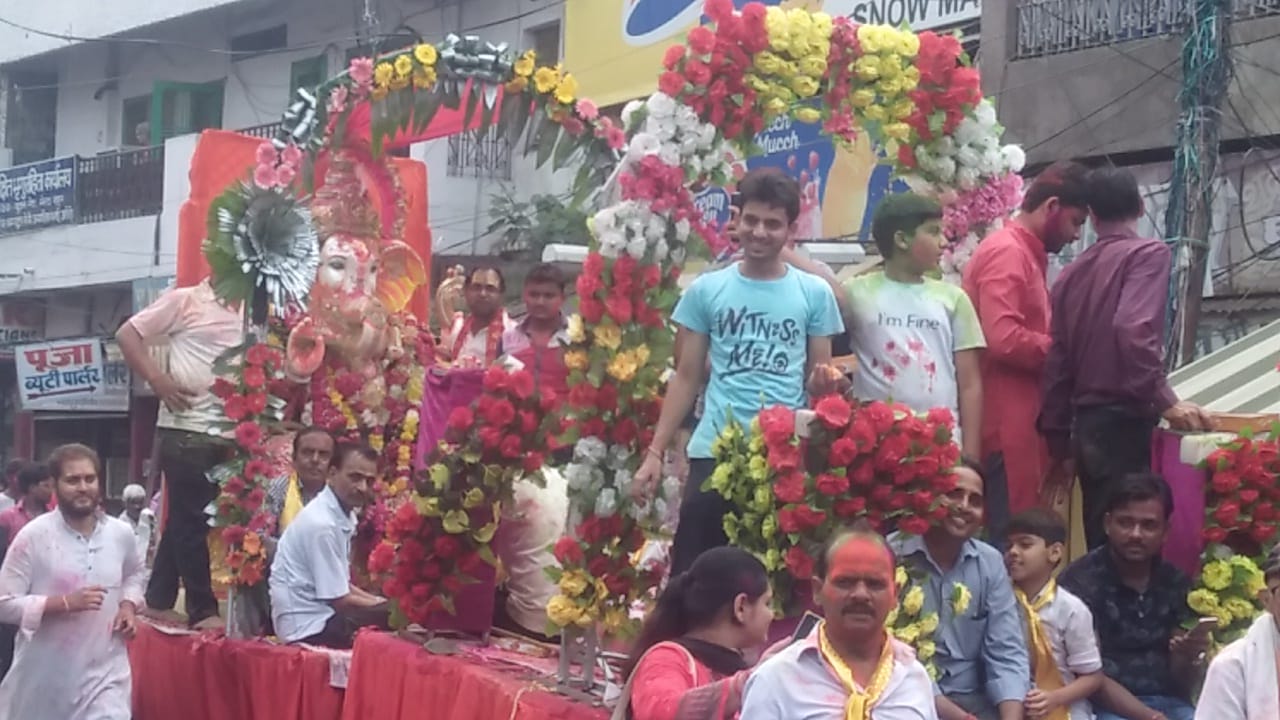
804,86
376,442
403,66
960,598
546,79
913,601
1203,601
424,79
607,336
576,329
382,74
574,583
525,65
897,131
1240,608
567,89
576,360
562,611
1216,575
621,368
517,85
900,576
908,634
925,650
426,54
641,353
929,623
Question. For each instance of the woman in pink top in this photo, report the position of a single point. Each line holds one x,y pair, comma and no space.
688,662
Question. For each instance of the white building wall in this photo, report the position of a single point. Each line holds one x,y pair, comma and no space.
95,79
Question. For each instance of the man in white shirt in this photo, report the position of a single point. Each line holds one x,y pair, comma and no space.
197,329
849,666
1243,682
139,516
312,598
10,494
72,582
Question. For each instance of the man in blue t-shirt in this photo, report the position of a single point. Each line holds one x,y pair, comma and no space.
766,326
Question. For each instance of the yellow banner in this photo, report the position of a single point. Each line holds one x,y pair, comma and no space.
612,65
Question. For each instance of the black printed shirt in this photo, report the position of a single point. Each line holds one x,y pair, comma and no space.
1133,628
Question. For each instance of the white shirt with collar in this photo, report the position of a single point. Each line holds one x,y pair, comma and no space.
312,568
797,684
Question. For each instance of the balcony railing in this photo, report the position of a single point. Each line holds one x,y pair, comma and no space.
1050,27
266,132
120,185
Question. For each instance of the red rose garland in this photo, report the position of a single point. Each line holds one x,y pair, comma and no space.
247,374
1242,503
440,540
870,460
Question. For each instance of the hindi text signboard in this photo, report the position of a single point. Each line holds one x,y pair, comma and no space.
37,195
71,375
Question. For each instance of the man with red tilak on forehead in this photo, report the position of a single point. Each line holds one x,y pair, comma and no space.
474,339
849,668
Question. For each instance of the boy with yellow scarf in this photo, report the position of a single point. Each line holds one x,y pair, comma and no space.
1066,665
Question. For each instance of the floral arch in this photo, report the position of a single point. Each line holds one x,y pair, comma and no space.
914,94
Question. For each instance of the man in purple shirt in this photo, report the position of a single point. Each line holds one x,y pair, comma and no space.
1104,383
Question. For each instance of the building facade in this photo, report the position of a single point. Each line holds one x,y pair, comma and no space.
99,113
1100,79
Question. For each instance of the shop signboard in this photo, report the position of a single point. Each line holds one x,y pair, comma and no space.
38,195
71,375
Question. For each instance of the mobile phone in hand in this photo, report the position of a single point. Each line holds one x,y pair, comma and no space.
806,626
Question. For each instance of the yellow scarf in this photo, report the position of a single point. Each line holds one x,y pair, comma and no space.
860,701
1044,666
292,502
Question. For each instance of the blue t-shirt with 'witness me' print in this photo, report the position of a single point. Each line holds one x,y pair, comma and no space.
759,334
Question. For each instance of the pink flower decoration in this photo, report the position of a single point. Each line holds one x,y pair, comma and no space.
361,71
285,175
266,154
587,109
572,125
291,156
265,177
616,138
338,99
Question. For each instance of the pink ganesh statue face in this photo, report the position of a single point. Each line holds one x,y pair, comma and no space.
362,278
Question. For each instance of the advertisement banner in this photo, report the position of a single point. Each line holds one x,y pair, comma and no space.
615,48
71,375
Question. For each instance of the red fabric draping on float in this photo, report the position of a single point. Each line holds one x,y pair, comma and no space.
392,679
198,677
222,157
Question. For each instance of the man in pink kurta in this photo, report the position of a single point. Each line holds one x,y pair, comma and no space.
1006,281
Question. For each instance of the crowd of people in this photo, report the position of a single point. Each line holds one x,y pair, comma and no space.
1044,387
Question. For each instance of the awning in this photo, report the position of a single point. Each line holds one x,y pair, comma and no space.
1239,378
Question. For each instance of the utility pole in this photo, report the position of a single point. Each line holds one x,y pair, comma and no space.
1206,76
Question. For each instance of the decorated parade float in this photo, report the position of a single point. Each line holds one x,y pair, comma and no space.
321,239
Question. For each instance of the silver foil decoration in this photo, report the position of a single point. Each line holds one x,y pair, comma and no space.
276,246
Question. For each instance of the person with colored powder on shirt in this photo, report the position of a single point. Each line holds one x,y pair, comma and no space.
917,340
1105,386
1006,280
766,327
849,667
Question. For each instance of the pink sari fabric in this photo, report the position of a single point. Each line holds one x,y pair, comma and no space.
441,393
